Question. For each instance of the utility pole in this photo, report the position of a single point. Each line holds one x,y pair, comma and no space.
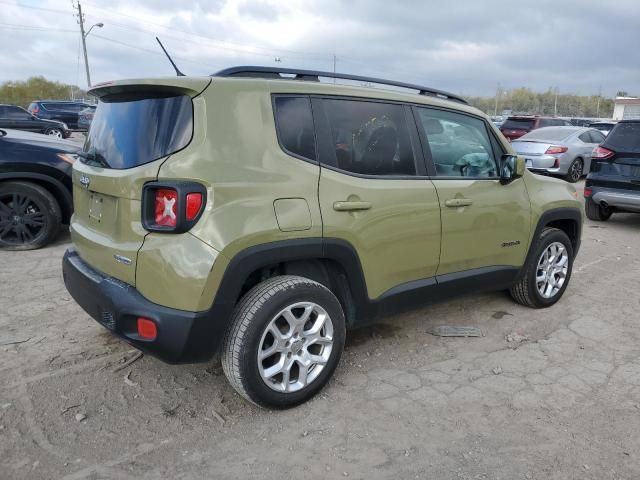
84,42
555,103
334,66
598,104
83,37
498,93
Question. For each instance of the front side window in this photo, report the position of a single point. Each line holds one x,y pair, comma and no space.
370,138
295,126
460,145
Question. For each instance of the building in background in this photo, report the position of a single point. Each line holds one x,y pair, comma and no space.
626,108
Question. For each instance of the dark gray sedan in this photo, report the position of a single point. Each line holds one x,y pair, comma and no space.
561,151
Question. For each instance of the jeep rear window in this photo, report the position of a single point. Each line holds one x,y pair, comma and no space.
625,137
131,130
518,124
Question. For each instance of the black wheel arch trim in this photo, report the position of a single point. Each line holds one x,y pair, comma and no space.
554,215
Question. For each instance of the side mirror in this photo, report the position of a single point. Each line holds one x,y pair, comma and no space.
511,167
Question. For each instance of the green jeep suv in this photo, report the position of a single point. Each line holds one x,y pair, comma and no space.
261,212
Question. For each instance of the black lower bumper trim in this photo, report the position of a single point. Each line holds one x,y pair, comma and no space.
183,337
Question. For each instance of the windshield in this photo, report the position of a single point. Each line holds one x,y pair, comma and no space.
128,131
518,124
552,134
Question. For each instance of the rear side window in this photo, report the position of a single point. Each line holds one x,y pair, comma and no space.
460,145
518,124
585,137
294,123
128,131
625,137
596,137
370,138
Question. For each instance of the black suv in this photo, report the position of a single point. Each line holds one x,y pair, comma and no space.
12,116
35,188
614,182
61,110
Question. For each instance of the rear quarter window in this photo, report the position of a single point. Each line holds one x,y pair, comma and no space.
294,123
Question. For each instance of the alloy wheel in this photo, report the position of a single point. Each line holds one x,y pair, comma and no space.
552,270
22,220
576,170
295,347
55,133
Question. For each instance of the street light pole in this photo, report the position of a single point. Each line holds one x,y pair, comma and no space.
84,36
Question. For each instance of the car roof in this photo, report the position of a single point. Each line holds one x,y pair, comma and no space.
283,85
40,139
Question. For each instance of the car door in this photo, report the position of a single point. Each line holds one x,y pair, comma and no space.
485,224
374,192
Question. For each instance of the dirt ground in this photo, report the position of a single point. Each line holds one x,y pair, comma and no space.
547,394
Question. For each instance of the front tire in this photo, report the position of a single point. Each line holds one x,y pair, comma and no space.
285,341
55,132
30,216
547,271
597,212
576,169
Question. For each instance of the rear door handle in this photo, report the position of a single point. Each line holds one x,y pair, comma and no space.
458,202
351,206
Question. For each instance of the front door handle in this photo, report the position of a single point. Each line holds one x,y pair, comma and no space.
458,202
347,206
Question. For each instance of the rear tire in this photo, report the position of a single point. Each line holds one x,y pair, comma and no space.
597,212
575,172
272,340
544,279
30,216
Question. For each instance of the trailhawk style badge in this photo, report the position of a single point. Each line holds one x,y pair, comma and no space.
85,181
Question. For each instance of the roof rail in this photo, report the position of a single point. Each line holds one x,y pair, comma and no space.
314,76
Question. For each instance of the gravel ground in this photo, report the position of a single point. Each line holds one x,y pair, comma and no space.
547,394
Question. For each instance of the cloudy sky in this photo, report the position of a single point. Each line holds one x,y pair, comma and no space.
464,46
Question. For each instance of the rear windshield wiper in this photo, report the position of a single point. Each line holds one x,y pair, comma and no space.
94,158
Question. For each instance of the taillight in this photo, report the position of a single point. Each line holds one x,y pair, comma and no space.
555,150
601,153
166,207
588,192
172,207
194,203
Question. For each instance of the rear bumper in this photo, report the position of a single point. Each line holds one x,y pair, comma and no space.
623,199
183,337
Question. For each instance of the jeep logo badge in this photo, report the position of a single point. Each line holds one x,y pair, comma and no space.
84,181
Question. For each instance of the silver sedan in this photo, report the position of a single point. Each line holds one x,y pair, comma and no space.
561,151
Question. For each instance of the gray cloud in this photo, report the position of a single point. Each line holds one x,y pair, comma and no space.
466,46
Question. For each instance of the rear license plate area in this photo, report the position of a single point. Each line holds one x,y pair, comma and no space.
95,207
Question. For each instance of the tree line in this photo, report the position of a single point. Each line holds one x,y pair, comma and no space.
23,92
526,101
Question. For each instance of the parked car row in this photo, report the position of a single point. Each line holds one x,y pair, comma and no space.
55,118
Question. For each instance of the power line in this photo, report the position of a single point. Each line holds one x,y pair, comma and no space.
271,50
33,7
13,26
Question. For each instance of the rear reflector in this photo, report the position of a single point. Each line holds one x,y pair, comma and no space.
556,164
166,207
194,203
555,149
147,328
587,192
601,153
